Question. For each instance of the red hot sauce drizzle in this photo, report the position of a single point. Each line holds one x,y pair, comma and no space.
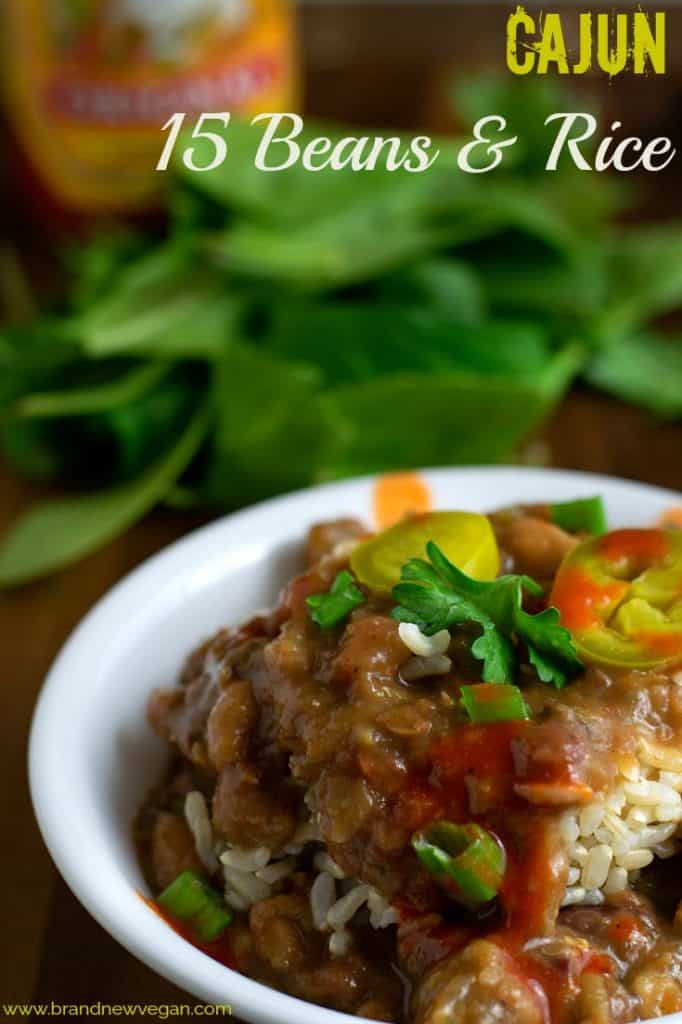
220,949
527,900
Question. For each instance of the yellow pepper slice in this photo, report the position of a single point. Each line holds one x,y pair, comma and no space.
466,538
621,597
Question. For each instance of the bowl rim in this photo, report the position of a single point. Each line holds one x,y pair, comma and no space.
149,938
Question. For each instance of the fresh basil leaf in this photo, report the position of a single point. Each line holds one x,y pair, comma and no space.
106,445
54,533
165,305
447,287
270,432
29,353
373,234
340,250
94,265
128,387
645,369
192,322
525,104
534,283
646,278
411,419
31,448
293,195
366,340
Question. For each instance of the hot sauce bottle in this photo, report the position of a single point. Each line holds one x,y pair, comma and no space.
89,84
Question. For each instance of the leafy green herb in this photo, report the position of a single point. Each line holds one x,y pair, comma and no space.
367,340
532,282
320,256
330,609
293,196
452,417
645,369
55,533
373,321
525,104
93,399
261,403
106,427
94,264
167,304
645,266
435,595
376,235
449,286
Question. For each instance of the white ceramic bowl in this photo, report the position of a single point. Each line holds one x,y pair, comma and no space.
92,755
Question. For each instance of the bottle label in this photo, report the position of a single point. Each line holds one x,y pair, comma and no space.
90,83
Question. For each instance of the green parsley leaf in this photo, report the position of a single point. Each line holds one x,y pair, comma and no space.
330,609
496,652
548,665
435,595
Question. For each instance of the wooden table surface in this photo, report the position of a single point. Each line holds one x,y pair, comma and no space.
50,949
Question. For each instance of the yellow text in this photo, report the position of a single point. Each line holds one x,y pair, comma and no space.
612,42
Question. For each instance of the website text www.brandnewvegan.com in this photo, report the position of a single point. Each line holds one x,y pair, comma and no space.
79,1011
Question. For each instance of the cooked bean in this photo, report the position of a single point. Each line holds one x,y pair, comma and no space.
277,926
377,1009
477,986
246,813
230,723
659,983
323,538
345,804
536,545
370,658
311,746
172,849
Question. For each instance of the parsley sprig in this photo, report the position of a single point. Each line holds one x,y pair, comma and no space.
436,595
330,609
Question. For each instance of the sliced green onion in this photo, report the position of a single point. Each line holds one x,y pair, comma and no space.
465,859
330,609
190,898
494,702
584,514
